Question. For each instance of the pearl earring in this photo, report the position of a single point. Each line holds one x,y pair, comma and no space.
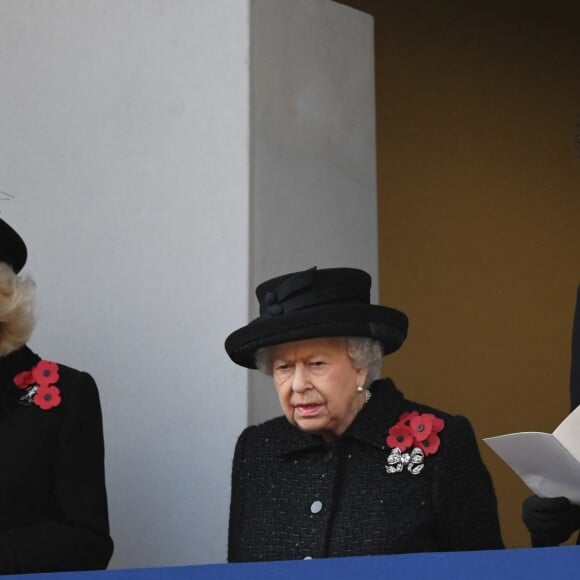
359,389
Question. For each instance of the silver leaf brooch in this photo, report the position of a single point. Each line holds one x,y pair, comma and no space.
418,432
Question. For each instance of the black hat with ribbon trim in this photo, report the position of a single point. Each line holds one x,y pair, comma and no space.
316,303
12,247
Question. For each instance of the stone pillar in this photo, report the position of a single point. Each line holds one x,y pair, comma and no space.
157,169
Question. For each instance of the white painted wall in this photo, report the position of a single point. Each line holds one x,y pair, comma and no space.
313,137
124,143
151,211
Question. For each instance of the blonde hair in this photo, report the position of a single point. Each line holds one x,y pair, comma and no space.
363,351
17,303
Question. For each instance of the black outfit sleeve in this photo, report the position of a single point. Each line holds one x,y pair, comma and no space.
465,497
64,521
236,503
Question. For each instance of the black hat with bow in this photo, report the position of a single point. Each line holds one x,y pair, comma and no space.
316,303
12,247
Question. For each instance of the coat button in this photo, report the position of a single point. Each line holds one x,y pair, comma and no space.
316,506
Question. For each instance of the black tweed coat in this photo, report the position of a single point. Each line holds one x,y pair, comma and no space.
53,505
295,496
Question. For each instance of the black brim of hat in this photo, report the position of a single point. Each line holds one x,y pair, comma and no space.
387,325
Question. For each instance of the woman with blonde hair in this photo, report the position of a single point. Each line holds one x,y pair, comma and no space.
53,503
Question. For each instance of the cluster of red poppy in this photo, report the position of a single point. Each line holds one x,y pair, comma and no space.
416,430
44,375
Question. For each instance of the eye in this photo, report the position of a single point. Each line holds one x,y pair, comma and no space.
317,364
281,367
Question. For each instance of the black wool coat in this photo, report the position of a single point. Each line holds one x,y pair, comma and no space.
294,496
53,504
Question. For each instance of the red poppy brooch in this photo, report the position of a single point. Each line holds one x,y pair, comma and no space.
415,431
39,386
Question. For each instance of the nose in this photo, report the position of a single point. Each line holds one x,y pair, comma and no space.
300,381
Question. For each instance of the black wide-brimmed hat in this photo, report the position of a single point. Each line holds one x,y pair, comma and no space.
316,304
12,247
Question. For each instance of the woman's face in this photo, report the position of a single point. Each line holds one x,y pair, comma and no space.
316,384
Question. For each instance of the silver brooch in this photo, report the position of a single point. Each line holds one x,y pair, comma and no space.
413,461
26,398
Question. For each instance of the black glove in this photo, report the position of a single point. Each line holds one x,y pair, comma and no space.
550,521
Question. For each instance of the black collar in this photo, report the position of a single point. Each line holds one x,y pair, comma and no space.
372,424
17,361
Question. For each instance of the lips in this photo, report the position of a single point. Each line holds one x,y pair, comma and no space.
308,409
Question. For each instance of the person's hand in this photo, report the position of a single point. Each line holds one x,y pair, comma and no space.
550,521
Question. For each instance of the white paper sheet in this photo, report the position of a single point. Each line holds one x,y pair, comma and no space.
549,464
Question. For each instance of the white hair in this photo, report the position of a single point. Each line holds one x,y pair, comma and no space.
366,352
363,351
17,302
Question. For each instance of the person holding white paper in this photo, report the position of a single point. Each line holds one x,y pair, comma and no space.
552,521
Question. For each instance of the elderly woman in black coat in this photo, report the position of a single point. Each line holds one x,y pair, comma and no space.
53,504
353,468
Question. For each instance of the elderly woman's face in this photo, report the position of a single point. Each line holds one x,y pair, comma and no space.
316,384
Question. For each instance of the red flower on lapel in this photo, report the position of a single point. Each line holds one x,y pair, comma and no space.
405,418
23,379
39,386
47,397
400,436
45,373
416,429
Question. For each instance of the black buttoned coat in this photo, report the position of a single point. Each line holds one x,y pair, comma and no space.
295,496
53,505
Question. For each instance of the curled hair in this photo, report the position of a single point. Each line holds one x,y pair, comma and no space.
16,309
363,351
263,358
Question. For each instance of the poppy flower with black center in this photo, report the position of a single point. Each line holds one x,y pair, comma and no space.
416,430
430,444
47,397
422,426
399,436
405,418
45,373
